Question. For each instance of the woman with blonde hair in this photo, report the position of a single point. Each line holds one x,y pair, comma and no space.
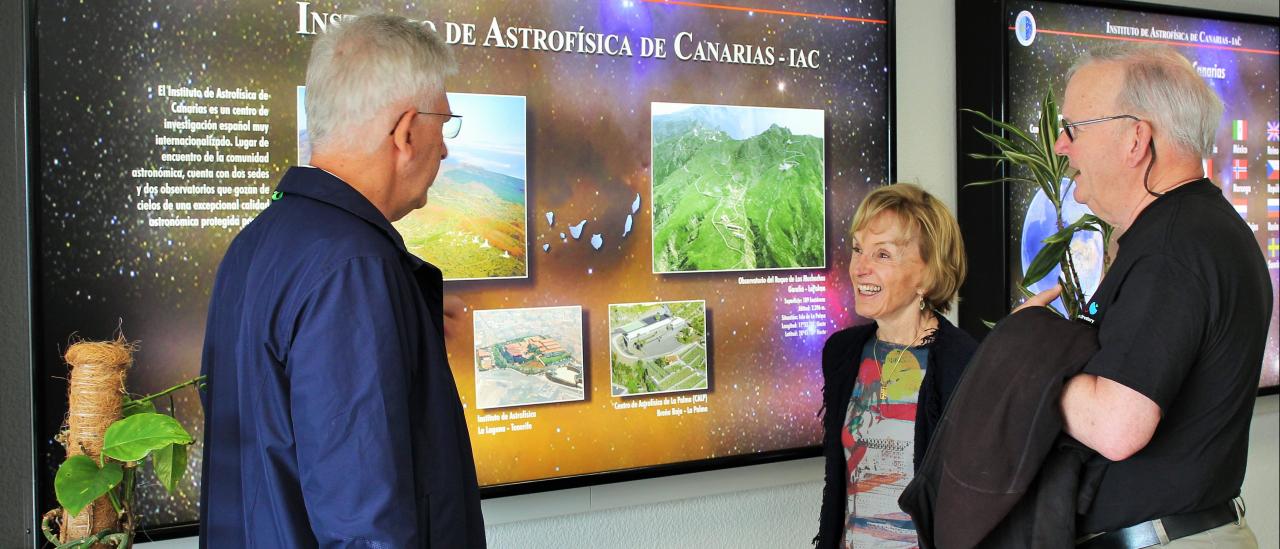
887,382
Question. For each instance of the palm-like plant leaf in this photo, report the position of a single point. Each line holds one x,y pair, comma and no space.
1030,159
1007,128
1000,180
1044,262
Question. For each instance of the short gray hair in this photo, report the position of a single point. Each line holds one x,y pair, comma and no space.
1163,88
365,64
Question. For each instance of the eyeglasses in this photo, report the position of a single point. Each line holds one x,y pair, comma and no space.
451,126
1069,126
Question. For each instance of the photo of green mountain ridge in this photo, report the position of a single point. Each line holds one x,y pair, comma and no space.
737,188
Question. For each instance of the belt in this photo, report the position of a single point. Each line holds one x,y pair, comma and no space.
1173,527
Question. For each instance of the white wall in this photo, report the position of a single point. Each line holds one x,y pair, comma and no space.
1263,476
926,100
777,505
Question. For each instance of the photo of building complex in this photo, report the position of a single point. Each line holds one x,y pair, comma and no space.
658,347
528,356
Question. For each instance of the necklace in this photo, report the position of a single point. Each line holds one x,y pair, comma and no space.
921,333
884,390
898,359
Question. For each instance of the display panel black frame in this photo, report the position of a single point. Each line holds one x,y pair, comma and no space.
50,394
17,424
982,85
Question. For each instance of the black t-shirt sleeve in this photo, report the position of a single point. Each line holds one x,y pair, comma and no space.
1152,330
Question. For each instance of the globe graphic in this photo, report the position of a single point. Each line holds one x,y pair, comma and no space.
1087,247
1025,28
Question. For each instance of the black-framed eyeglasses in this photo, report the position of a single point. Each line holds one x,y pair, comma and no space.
1069,126
451,127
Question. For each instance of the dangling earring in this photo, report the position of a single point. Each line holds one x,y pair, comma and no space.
923,304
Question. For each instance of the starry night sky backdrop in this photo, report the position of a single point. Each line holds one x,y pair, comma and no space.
588,156
1250,92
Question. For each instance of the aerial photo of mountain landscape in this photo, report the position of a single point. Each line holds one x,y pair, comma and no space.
475,223
737,188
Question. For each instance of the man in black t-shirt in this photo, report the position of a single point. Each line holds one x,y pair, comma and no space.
1182,313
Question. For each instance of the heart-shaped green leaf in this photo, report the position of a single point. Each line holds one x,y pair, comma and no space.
170,463
79,481
132,438
135,407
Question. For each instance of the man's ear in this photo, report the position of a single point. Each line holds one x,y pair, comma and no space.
1139,140
401,135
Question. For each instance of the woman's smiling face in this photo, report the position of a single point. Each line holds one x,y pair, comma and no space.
886,269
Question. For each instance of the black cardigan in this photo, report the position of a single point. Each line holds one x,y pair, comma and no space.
1000,472
949,352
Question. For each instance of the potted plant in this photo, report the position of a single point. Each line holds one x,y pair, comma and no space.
109,434
1029,159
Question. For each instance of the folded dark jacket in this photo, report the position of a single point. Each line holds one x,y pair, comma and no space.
999,472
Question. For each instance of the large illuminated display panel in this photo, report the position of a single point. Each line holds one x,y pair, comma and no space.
162,129
1239,59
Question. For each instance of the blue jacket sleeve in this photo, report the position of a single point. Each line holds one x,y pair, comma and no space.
349,368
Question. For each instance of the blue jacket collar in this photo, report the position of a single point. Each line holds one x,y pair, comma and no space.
317,184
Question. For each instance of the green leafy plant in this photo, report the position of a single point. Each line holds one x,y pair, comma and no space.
1029,160
128,442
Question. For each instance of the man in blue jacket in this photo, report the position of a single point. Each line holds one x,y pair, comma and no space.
331,416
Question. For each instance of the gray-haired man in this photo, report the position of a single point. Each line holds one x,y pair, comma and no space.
1182,313
331,416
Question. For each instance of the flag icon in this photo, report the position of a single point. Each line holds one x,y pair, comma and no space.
1241,204
1207,164
1273,248
1239,129
1239,169
1273,208
1273,130
1273,169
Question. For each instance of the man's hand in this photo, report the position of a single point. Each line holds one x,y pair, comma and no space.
1042,299
454,308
